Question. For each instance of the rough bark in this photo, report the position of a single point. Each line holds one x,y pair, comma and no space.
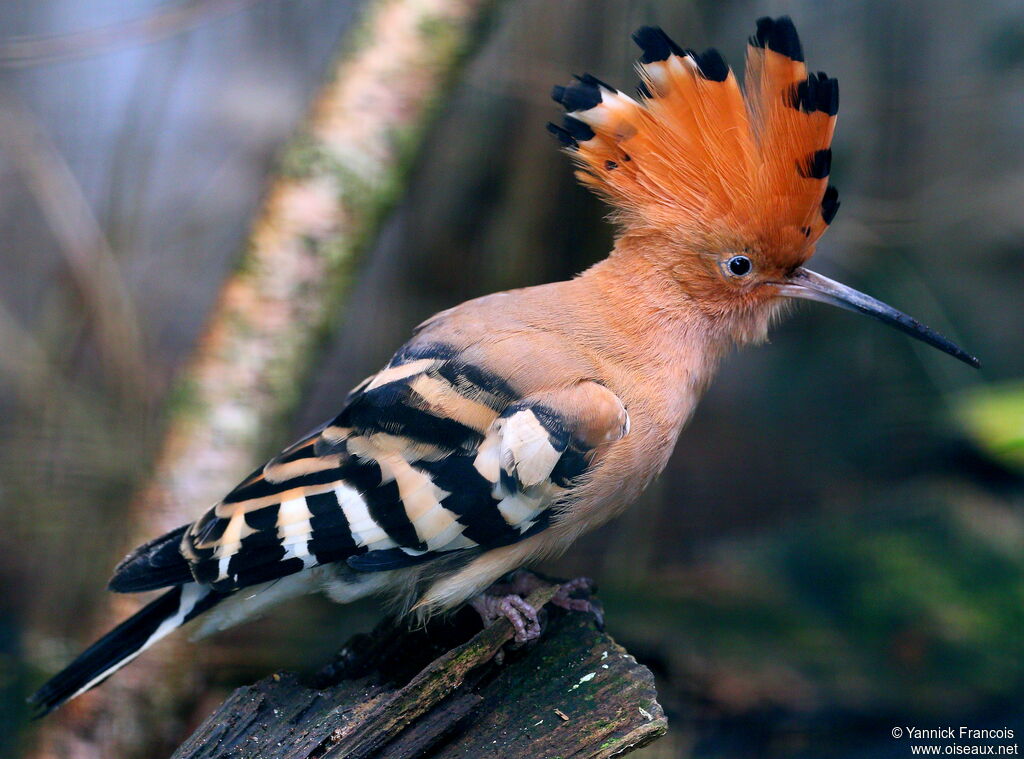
337,178
400,694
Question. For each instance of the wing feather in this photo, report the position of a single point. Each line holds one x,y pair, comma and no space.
432,455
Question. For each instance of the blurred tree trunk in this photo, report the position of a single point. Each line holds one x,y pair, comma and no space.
337,178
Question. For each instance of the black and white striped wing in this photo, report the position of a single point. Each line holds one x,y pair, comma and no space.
431,455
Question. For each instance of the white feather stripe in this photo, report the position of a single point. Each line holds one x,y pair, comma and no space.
295,542
532,461
293,518
459,543
395,373
291,511
526,449
230,542
226,510
295,550
381,443
437,528
226,550
231,538
332,434
296,546
487,461
418,492
364,449
421,499
222,565
295,529
546,492
681,66
614,114
519,508
445,401
300,551
277,471
365,531
381,545
658,75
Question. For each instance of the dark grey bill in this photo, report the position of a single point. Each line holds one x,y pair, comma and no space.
812,286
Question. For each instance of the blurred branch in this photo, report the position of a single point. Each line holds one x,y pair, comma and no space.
339,176
23,360
22,52
94,269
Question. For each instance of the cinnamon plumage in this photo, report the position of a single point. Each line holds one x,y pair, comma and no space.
511,424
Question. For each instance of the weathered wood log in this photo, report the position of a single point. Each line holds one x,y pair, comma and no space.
443,692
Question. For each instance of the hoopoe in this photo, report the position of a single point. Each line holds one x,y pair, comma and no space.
511,424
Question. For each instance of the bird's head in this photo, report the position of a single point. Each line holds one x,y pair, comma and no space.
723,190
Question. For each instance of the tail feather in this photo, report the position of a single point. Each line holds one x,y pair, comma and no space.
157,564
122,644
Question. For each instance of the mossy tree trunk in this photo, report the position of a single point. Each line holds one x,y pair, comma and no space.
401,694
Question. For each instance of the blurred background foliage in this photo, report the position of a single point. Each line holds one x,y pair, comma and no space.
837,545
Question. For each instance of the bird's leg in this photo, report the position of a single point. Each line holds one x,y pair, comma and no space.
588,605
512,607
508,600
525,582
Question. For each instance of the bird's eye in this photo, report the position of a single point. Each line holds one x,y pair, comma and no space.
739,265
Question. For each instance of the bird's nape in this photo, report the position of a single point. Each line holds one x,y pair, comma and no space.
810,285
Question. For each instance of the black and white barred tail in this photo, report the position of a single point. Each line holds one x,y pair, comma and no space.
122,644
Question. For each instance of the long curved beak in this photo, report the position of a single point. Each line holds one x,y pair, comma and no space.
812,286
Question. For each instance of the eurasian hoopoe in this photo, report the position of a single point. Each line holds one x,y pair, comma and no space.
509,425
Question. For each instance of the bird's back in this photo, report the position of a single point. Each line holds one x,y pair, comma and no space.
466,441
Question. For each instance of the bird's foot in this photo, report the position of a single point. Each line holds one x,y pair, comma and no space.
508,600
565,599
514,608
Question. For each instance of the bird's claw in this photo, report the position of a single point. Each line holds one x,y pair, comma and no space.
507,600
514,608
564,599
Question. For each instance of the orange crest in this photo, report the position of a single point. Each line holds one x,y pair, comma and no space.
696,156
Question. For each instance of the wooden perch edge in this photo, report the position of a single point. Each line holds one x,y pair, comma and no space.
404,694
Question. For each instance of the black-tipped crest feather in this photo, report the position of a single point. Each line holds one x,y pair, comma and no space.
818,92
818,164
712,65
579,96
830,204
778,34
577,129
655,44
